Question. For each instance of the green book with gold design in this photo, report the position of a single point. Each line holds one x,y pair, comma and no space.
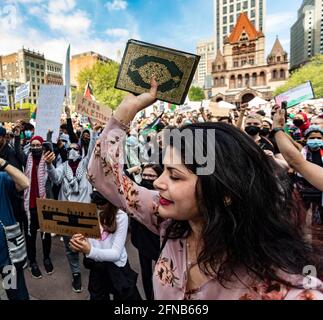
174,71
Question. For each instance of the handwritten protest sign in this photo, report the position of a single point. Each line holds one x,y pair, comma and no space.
68,218
22,92
49,106
14,115
92,109
4,97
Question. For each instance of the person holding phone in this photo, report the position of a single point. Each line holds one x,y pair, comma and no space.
75,187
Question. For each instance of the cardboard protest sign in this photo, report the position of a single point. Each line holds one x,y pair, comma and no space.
4,97
14,115
68,218
218,112
92,109
49,106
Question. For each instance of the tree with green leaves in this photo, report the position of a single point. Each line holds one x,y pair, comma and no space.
196,94
102,77
313,71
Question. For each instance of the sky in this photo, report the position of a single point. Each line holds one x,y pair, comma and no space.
104,26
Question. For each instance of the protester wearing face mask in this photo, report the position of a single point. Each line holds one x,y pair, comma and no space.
301,122
143,239
266,127
253,127
312,197
36,172
85,142
75,187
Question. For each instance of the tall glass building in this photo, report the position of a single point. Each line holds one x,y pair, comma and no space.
226,13
307,33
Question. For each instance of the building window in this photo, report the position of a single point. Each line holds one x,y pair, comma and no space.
252,61
231,8
274,74
282,74
222,81
231,19
253,3
225,20
32,65
245,5
239,7
278,59
224,30
253,14
225,10
235,64
37,66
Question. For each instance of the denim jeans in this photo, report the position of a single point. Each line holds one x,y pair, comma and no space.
72,257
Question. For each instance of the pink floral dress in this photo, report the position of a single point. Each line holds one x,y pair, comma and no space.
170,276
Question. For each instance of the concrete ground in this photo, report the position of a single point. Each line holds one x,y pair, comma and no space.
58,285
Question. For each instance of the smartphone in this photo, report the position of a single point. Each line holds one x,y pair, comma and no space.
284,107
47,146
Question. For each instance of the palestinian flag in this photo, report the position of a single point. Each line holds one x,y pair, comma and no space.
172,107
156,126
89,92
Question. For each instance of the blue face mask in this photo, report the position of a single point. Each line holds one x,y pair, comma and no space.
28,134
315,144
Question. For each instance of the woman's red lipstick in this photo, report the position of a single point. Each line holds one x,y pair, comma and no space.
165,202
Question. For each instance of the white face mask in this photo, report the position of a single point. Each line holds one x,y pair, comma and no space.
73,155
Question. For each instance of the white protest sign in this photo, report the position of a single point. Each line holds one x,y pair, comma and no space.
4,98
22,92
49,107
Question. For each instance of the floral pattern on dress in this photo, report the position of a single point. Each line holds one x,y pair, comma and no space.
306,295
267,290
165,272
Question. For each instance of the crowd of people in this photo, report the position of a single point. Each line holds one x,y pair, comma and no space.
244,230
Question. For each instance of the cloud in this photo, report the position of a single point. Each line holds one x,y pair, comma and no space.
76,23
57,6
117,5
50,28
279,21
120,33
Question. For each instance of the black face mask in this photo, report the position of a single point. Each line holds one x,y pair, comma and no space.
148,184
37,153
298,123
85,141
252,130
264,131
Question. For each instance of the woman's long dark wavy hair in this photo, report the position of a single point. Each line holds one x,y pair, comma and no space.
249,213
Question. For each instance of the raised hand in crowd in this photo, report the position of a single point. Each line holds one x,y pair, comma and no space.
243,109
132,104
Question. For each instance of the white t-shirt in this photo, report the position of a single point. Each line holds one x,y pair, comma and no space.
112,249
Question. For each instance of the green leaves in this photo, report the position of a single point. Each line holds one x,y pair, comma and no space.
196,94
312,71
102,77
